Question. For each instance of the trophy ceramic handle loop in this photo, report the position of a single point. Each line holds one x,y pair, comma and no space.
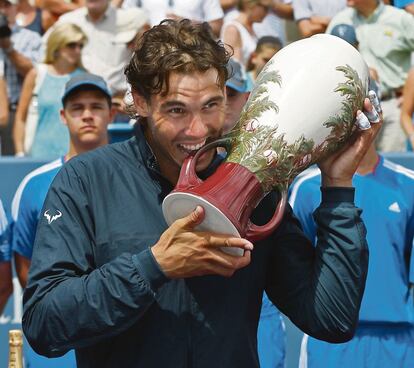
188,176
255,232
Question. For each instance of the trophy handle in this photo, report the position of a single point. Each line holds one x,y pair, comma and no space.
256,233
188,176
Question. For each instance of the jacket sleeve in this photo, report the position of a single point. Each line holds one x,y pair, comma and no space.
70,303
320,288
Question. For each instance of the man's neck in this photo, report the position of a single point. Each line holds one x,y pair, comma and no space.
62,67
367,8
96,16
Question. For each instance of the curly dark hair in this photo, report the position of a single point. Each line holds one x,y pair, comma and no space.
174,46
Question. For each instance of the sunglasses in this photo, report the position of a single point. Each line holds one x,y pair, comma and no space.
74,45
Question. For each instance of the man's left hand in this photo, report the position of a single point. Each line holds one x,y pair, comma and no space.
339,168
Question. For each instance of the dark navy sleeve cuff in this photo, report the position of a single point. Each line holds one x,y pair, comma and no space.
149,269
337,194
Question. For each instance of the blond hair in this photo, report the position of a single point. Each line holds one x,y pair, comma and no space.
62,35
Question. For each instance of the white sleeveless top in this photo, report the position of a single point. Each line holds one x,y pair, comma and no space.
248,40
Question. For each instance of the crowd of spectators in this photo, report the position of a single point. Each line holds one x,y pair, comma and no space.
110,28
45,43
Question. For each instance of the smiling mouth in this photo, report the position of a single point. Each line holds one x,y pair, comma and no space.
190,149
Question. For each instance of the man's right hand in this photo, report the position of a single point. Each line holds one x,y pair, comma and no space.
183,252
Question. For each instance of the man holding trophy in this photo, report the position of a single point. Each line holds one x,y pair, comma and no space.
110,279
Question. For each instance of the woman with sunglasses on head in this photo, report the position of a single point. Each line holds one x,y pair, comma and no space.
239,34
46,83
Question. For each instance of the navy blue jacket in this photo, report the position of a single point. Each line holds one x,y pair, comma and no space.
94,285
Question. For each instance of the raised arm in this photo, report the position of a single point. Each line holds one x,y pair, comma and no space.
309,27
322,288
407,108
233,42
4,103
22,109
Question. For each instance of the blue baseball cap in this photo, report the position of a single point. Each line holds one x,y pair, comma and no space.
237,77
346,32
83,81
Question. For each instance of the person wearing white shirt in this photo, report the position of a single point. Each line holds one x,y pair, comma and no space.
197,10
106,51
274,22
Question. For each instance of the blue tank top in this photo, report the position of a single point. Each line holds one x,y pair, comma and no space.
36,25
52,137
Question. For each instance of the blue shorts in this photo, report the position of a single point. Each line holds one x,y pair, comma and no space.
271,336
380,346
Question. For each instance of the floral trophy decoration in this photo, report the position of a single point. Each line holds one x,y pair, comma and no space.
302,108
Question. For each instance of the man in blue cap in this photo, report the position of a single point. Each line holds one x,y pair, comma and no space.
346,32
238,88
86,112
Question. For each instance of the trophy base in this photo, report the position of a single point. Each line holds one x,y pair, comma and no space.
179,205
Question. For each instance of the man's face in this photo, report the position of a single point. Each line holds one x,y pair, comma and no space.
357,3
258,12
96,6
234,106
87,115
182,121
9,10
260,59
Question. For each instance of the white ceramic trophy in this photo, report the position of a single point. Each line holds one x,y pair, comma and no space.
302,108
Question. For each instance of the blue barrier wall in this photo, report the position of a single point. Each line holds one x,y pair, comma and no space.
13,170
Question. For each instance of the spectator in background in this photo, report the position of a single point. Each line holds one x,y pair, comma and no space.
407,5
266,48
86,113
19,50
407,110
31,17
53,9
238,90
239,33
196,10
385,334
228,5
107,51
313,16
386,41
6,285
62,61
273,23
271,330
4,104
347,33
